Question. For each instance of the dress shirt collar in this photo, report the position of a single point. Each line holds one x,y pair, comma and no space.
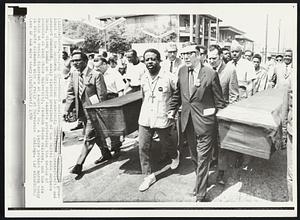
197,68
84,72
159,75
218,67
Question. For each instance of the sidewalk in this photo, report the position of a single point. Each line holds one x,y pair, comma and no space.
118,179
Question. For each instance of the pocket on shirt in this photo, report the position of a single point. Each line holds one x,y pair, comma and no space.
162,93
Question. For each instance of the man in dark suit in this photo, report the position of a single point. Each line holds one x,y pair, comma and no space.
230,90
86,87
199,92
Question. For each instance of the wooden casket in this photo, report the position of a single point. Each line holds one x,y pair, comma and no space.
253,126
118,116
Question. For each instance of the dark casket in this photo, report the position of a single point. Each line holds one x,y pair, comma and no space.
253,126
118,116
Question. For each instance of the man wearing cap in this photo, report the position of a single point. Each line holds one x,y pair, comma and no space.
199,92
248,55
244,71
278,58
86,87
246,75
172,62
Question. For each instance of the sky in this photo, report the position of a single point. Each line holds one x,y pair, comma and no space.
250,18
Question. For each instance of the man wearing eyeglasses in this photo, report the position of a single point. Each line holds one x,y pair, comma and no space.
279,58
172,63
86,87
200,94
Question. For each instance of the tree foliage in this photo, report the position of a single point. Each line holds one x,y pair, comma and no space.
116,40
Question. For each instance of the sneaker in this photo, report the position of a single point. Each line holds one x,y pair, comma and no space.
175,162
148,181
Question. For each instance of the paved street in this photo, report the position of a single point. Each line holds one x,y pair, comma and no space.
119,179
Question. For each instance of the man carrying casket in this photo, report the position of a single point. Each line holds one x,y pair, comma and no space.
86,87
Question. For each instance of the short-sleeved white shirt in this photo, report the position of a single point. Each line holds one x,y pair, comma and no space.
113,80
135,72
157,94
244,70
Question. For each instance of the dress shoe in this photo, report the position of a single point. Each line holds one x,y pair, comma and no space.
77,169
79,126
116,152
214,163
175,162
220,178
194,193
203,199
148,181
103,158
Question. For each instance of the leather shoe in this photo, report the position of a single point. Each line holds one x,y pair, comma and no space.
79,126
103,158
175,161
203,199
194,193
116,152
77,169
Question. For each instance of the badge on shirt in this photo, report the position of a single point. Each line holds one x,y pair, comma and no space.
160,89
197,83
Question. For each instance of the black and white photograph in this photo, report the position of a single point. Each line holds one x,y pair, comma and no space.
173,110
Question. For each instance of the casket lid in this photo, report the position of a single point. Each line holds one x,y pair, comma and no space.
262,109
119,101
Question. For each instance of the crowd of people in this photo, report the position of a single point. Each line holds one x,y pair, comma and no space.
187,88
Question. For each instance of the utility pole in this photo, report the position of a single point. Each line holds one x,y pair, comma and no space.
278,47
197,29
266,42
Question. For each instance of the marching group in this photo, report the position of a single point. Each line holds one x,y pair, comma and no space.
187,88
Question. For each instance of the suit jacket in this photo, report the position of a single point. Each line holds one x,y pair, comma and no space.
229,83
93,85
167,63
204,102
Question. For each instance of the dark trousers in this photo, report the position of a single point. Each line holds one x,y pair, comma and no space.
289,173
114,140
91,137
200,150
145,142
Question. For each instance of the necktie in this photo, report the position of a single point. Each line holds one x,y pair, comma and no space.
286,74
191,80
80,84
171,67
